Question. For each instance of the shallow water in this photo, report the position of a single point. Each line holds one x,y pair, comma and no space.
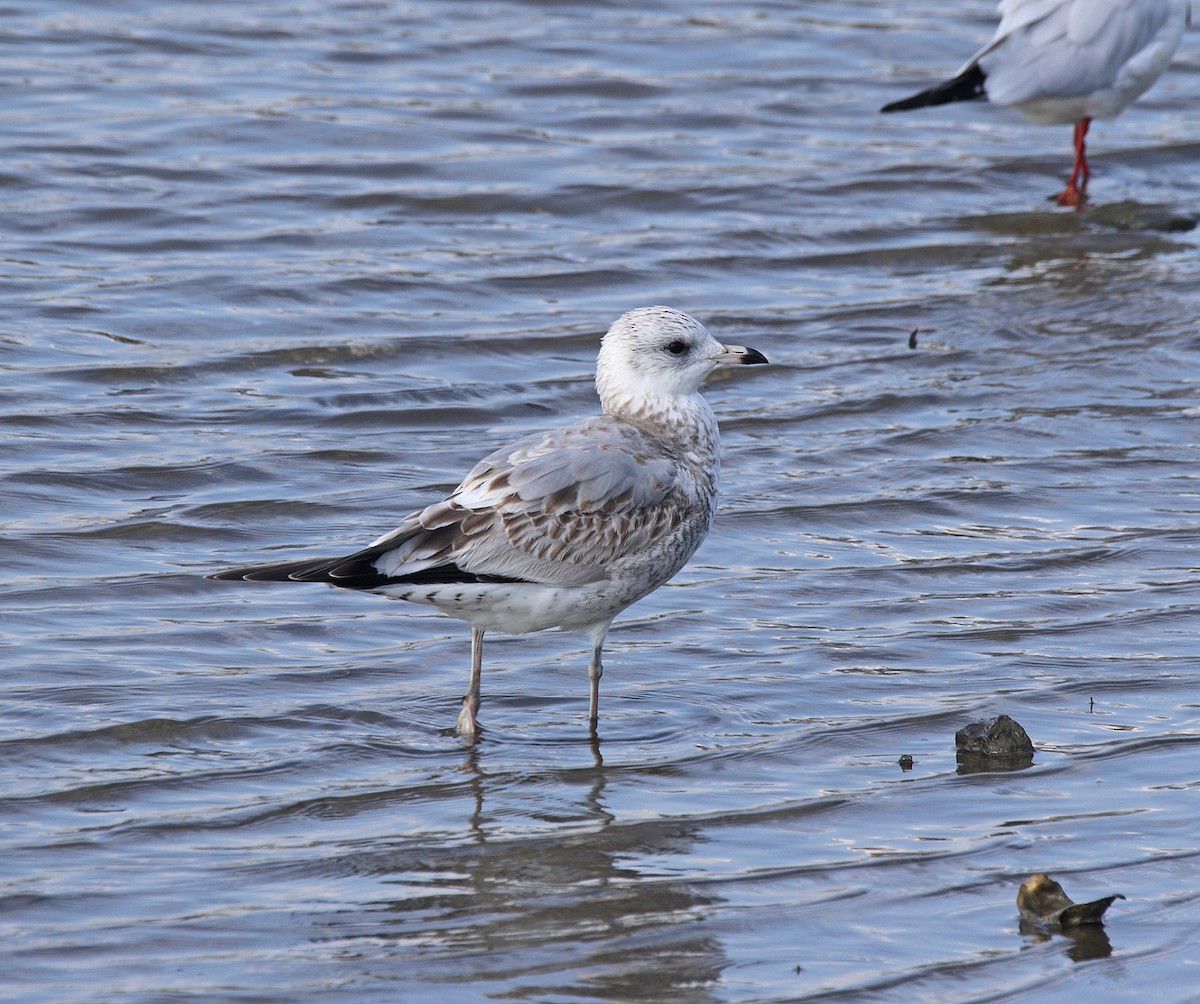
277,273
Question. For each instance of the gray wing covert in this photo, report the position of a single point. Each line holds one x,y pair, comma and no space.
1104,34
555,507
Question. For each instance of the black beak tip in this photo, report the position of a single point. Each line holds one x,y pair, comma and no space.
753,358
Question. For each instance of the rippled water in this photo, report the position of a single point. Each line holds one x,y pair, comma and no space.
276,273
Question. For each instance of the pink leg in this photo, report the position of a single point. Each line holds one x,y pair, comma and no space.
1075,192
467,724
595,671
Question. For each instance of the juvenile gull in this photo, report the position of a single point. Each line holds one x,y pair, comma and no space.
1064,61
569,527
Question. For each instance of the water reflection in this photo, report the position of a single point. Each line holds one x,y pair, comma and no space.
1089,941
968,763
499,907
471,767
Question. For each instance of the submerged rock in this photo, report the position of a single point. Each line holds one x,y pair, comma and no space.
1043,902
1134,216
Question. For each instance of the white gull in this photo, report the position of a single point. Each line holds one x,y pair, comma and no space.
1064,61
569,527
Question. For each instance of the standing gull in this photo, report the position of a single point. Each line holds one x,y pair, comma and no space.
569,527
1067,61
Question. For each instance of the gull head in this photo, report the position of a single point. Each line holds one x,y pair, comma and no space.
659,354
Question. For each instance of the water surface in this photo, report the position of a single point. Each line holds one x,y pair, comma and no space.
275,274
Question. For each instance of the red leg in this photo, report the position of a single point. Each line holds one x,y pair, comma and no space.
1081,151
1075,192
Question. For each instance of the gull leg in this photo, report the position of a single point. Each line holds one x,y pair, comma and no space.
1075,192
595,671
1084,173
467,725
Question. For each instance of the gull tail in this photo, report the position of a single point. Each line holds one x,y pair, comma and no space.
967,86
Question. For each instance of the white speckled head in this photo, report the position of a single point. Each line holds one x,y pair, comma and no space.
654,358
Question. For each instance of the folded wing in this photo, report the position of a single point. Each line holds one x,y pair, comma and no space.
1065,48
555,508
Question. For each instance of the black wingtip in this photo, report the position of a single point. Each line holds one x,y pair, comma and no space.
288,571
967,86
356,571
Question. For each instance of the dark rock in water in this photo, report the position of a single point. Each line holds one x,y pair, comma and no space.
993,744
905,761
1043,903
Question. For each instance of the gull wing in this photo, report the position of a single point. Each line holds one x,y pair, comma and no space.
1066,48
556,508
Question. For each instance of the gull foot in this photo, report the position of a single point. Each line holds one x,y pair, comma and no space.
1070,196
467,725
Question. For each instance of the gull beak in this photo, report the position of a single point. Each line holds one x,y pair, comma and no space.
740,355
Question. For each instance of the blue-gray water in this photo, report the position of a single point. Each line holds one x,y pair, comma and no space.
276,273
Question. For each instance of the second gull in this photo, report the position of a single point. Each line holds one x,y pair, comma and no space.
1067,61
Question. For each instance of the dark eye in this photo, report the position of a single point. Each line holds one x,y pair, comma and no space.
677,348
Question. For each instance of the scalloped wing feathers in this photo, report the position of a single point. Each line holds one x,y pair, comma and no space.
556,508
